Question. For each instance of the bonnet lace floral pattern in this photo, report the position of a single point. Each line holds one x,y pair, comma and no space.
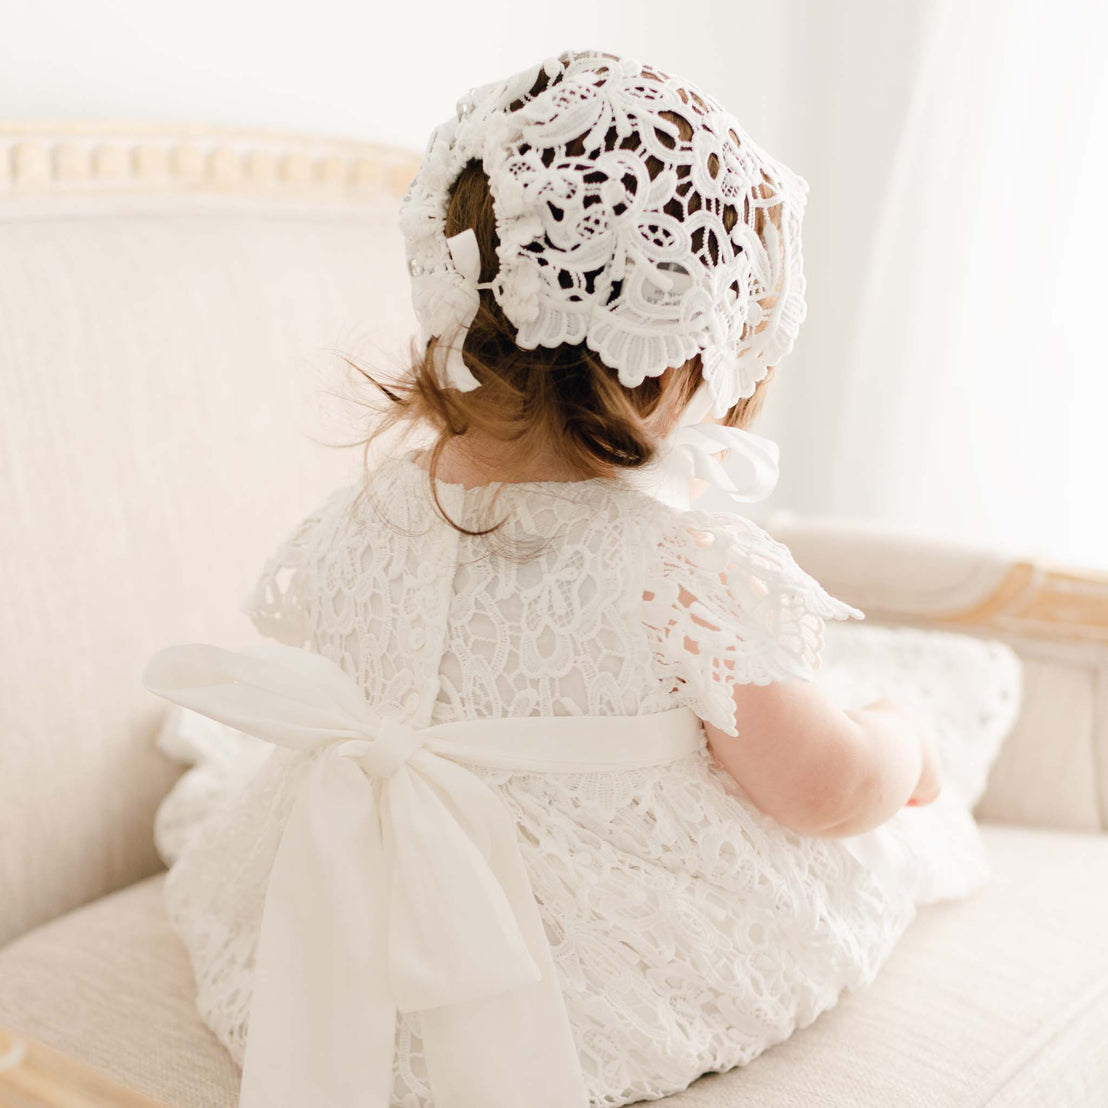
690,932
632,210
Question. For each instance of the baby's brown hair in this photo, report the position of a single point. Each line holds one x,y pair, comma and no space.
560,402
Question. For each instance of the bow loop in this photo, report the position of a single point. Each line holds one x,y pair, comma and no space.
289,697
466,255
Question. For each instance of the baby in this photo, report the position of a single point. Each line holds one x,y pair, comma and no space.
556,814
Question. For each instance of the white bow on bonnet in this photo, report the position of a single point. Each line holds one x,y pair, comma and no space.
621,245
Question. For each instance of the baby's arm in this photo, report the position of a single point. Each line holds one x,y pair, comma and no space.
812,766
818,769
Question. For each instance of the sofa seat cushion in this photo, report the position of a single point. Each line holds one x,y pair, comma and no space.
997,1001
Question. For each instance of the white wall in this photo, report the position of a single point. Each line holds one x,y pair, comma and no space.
846,85
358,69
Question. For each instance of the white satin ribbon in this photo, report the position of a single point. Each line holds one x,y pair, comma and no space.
749,472
466,255
398,885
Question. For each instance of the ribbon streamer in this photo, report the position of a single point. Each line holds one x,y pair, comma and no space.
466,255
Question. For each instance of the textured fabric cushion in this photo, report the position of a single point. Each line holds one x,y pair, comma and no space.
160,361
998,1001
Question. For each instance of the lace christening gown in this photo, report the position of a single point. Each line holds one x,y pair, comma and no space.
690,932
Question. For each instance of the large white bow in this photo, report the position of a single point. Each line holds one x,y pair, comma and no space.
397,886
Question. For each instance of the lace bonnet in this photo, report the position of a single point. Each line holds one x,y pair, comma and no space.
599,245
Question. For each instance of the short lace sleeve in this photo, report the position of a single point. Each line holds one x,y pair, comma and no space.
281,602
729,605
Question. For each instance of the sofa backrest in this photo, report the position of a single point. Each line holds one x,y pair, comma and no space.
171,304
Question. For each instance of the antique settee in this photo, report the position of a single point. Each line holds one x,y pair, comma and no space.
174,303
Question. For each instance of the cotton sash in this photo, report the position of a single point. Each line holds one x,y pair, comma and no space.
398,885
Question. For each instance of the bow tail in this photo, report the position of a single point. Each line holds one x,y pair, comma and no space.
322,1023
495,1029
507,1050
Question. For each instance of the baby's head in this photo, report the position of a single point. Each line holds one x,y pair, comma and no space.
635,244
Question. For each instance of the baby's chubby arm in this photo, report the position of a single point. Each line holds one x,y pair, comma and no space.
815,767
818,769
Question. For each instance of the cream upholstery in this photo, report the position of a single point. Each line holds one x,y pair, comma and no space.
168,306
158,360
1000,1001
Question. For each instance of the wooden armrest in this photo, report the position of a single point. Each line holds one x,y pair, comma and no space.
1053,768
33,1075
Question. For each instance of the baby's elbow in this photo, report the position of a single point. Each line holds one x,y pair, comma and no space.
800,759
836,800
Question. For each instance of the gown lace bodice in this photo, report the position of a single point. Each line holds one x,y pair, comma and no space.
587,610
690,931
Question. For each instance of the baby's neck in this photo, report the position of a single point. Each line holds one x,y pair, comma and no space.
473,460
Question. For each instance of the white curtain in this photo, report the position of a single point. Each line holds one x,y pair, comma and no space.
974,397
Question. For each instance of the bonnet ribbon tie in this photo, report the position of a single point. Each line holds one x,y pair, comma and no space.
398,885
748,473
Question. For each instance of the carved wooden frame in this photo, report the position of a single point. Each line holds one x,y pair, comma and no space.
1033,599
105,156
